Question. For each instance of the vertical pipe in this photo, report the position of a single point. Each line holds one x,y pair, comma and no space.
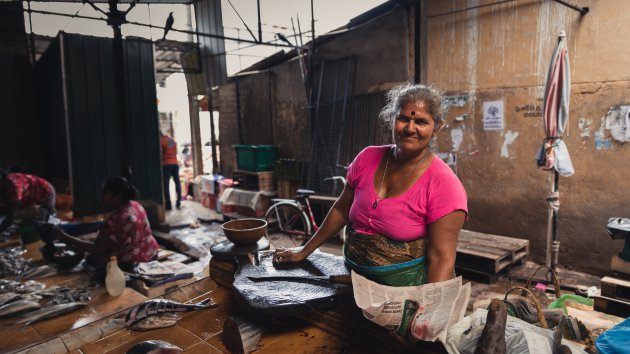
311,55
550,223
195,135
555,247
416,42
259,23
30,25
238,111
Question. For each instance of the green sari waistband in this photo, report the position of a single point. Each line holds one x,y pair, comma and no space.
386,261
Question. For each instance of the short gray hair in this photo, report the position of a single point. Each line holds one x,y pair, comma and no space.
400,95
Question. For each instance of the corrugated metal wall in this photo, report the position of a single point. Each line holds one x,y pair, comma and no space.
19,142
209,20
87,79
142,114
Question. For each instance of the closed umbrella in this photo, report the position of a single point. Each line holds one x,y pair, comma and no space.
553,155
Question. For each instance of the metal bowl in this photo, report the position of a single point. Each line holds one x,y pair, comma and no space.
243,232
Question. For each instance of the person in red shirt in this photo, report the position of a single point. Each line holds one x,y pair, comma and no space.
25,197
170,169
125,233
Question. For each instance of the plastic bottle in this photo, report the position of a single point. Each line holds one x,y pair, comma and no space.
115,279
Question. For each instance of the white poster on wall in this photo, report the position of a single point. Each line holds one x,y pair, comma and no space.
493,115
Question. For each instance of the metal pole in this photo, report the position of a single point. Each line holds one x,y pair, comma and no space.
416,42
259,23
549,224
116,19
555,245
30,25
581,10
238,111
213,140
311,57
195,134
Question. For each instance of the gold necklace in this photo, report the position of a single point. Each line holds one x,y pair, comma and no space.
378,199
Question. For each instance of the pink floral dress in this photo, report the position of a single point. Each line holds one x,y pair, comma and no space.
129,231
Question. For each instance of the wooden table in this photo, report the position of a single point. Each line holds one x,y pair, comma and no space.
200,332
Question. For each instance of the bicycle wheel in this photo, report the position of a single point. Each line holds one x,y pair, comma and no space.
289,219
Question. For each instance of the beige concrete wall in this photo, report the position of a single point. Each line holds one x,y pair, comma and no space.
502,52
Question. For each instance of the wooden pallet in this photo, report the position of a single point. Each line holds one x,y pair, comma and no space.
489,253
616,288
612,306
483,277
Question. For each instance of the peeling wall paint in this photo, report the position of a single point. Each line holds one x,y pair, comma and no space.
455,101
509,138
457,136
617,121
585,127
601,142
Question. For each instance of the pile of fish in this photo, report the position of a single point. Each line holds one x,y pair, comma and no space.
23,298
63,295
160,313
11,262
27,287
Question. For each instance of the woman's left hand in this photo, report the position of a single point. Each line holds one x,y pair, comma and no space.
282,255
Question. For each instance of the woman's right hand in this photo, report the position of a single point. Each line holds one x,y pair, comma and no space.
282,255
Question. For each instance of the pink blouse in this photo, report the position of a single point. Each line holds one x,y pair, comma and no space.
436,193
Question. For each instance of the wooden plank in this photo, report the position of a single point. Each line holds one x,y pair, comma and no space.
616,288
612,306
511,245
495,242
516,242
482,251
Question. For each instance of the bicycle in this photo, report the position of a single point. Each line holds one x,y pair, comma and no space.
295,216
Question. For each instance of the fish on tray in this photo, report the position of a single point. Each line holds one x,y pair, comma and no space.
154,347
49,312
18,307
160,313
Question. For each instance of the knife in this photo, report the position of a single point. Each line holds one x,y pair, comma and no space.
337,279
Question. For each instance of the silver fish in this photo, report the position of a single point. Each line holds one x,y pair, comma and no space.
38,272
159,306
49,312
17,307
155,322
154,347
5,298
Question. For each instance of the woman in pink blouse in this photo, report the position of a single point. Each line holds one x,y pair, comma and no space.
406,207
125,233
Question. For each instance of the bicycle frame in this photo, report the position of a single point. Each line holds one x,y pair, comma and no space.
304,207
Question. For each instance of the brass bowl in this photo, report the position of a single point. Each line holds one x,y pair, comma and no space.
243,232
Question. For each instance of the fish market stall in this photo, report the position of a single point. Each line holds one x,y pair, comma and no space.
34,311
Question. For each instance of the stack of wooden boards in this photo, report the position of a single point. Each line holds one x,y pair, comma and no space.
483,257
615,297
